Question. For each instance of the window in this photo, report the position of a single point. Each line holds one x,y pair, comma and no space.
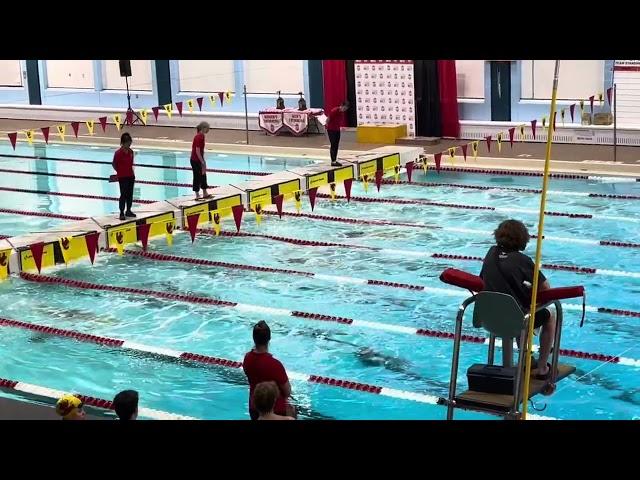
579,79
271,76
140,78
470,75
206,75
10,73
69,73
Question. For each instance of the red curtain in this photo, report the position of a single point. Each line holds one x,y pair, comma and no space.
447,83
334,82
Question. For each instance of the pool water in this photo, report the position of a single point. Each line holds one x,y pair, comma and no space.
400,361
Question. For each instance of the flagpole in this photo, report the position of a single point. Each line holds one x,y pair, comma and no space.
536,269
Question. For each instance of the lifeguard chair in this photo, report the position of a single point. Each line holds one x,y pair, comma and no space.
498,390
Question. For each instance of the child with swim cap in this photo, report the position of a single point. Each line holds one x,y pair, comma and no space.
69,407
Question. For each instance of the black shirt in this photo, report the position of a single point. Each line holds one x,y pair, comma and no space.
514,269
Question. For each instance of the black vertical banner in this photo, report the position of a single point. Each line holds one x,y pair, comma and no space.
352,113
427,92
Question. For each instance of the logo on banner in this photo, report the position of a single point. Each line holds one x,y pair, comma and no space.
3,259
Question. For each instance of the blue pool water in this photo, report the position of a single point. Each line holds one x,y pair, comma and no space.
415,364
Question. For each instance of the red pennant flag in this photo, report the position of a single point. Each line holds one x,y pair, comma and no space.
12,138
533,128
129,118
312,196
379,175
488,139
512,132
92,244
438,158
237,214
609,91
464,151
103,123
221,95
75,126
143,234
409,167
572,109
199,100
591,99
192,221
278,201
179,107
347,188
36,251
45,134
155,112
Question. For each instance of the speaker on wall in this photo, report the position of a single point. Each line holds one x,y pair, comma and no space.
125,68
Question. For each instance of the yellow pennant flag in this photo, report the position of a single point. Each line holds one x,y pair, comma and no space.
452,154
65,243
4,263
297,196
258,210
144,114
169,109
61,129
600,97
544,121
581,106
212,99
365,183
228,96
190,105
474,149
118,120
332,190
90,124
499,139
521,132
29,134
215,221
562,115
168,227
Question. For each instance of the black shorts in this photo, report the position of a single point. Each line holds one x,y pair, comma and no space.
542,317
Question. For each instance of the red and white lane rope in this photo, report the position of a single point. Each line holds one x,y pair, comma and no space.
210,360
142,165
521,173
511,189
73,195
53,394
330,278
420,201
90,177
389,327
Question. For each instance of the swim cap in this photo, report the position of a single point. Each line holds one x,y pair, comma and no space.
66,404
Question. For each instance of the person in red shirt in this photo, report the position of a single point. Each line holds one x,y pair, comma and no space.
198,165
260,366
123,165
335,121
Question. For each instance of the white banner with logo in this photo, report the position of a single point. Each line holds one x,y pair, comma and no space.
297,122
385,93
270,122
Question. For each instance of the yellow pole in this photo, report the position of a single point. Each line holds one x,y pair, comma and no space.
536,269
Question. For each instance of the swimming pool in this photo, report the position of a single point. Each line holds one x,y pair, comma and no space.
374,351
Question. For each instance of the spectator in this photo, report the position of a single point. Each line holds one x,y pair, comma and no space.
260,366
69,407
123,165
125,404
198,164
264,399
507,270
